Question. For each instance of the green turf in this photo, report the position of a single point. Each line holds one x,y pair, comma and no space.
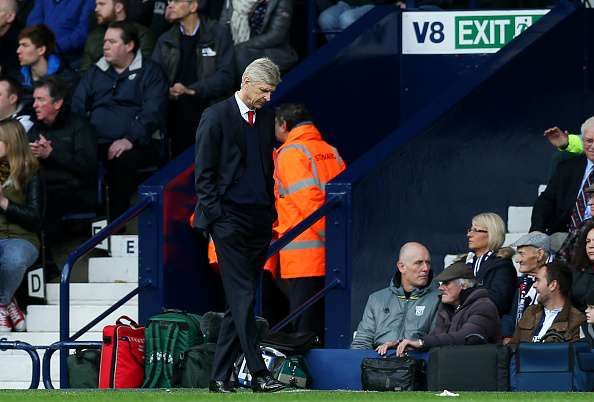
297,396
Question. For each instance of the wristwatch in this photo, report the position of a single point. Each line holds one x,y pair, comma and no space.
421,343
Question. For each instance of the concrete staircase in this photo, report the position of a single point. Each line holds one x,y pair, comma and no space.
110,278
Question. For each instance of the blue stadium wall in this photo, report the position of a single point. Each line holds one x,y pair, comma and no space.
431,141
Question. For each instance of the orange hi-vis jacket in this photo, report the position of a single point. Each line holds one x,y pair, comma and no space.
304,164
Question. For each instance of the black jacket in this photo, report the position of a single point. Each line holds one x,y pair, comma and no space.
552,210
220,156
9,62
582,284
214,63
131,105
498,275
72,165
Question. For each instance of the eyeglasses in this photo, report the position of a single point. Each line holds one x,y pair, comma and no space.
475,230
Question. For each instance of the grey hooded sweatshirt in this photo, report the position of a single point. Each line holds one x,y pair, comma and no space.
390,316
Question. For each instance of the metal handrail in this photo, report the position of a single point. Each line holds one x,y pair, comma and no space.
18,345
84,248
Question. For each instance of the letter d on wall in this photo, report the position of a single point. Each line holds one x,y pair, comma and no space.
36,283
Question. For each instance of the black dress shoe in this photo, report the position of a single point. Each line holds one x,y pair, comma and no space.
266,383
221,387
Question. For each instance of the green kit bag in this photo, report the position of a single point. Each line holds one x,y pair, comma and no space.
293,372
83,368
167,337
196,366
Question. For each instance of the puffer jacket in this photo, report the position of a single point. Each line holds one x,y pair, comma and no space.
476,314
390,316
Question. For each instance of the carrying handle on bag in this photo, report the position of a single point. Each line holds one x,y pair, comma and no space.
131,322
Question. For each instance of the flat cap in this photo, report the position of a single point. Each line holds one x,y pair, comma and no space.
457,270
534,239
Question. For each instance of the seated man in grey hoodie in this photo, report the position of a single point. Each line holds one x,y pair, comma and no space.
405,309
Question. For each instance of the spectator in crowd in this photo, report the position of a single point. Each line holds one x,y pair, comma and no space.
492,265
36,53
197,56
69,20
404,310
305,163
582,265
553,319
159,21
341,15
587,328
235,204
20,216
9,31
106,12
66,148
562,207
260,28
466,314
129,92
11,106
533,251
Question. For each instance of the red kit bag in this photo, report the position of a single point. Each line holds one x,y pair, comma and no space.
122,355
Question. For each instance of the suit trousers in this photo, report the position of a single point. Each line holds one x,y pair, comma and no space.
241,236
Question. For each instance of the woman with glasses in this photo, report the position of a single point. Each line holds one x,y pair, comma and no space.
491,263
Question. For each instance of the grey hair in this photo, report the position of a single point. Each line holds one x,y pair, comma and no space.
587,124
9,5
262,70
466,283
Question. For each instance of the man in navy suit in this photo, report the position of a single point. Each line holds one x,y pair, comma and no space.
234,186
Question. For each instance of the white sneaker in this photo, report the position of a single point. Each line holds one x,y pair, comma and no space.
16,316
5,323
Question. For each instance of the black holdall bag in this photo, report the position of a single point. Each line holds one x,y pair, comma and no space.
392,374
83,368
484,368
296,343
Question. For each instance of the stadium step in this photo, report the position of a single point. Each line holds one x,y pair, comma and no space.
47,318
113,269
91,293
41,339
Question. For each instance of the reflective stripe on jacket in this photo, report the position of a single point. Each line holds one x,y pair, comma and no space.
304,164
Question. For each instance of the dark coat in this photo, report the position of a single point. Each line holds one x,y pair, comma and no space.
498,275
588,330
582,284
567,323
71,168
552,210
476,315
220,156
9,62
214,71
272,40
134,103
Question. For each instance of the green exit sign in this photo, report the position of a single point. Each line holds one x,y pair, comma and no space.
486,32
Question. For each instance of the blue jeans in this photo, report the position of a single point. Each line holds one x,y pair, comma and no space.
16,255
339,16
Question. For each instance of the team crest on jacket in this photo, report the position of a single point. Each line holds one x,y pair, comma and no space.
419,310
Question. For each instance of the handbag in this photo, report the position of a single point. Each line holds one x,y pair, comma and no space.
392,374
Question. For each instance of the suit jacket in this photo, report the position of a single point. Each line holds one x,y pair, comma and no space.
220,156
552,210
